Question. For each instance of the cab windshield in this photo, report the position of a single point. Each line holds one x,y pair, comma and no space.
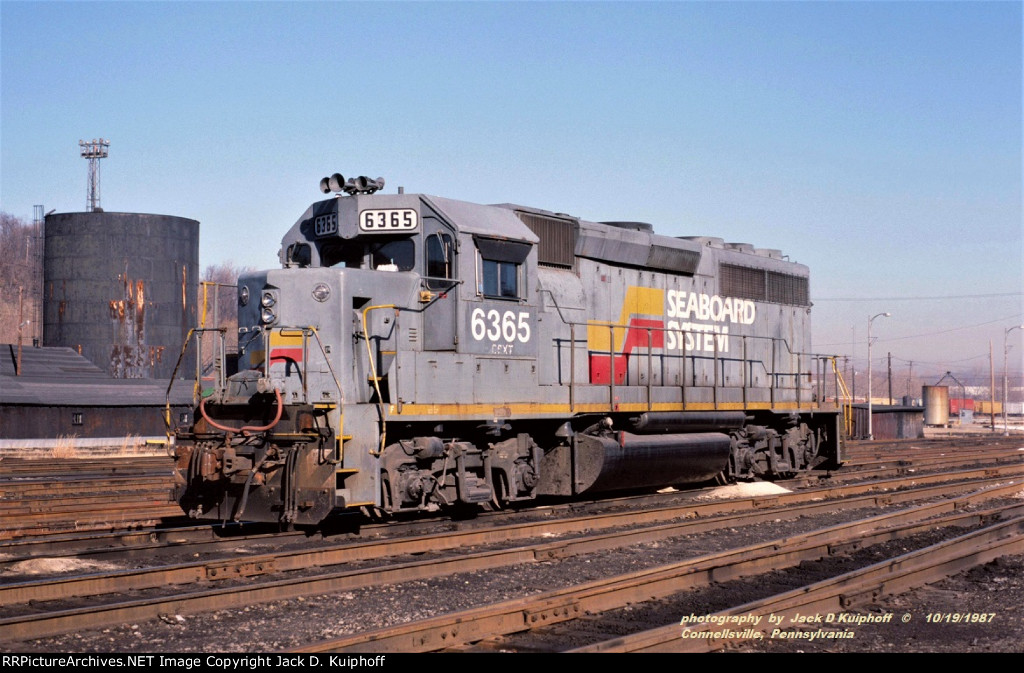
382,255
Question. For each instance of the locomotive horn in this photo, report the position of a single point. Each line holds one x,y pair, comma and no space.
325,185
367,185
337,182
360,185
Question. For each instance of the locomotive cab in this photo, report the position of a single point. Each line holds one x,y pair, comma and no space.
369,312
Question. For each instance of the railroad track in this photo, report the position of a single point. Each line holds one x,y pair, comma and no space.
837,595
148,522
486,627
35,610
881,449
204,539
49,467
45,497
39,608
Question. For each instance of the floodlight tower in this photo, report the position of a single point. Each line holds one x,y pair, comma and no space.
94,151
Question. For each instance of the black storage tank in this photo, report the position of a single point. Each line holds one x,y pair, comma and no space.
121,289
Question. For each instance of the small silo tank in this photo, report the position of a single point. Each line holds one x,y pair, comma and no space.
936,404
121,289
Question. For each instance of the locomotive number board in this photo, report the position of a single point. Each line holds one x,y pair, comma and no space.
389,220
326,225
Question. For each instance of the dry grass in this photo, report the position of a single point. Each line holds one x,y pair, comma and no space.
130,445
65,447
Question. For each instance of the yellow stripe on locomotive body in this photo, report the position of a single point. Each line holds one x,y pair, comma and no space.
285,346
417,352
535,410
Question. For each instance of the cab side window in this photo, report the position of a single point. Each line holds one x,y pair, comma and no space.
499,268
500,279
440,261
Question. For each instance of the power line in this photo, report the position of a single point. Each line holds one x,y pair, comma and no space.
954,329
925,334
945,363
944,297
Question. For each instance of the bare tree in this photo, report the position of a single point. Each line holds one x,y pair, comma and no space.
218,306
20,279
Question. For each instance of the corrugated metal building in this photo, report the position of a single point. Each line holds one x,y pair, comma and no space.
889,422
59,394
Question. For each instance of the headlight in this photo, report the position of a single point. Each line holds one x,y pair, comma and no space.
267,300
321,292
267,316
243,295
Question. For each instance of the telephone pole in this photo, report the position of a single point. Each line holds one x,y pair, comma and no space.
890,379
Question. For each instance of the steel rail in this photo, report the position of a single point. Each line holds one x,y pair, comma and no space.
937,461
900,467
743,512
459,629
49,488
136,515
112,543
694,515
45,467
893,576
43,624
61,622
857,460
111,498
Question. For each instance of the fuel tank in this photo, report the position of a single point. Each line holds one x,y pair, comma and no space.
622,460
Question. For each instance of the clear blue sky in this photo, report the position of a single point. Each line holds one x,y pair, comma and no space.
878,143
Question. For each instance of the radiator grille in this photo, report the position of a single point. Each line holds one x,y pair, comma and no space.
763,285
557,245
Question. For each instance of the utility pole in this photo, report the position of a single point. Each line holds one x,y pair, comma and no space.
21,323
992,384
890,379
871,320
1006,350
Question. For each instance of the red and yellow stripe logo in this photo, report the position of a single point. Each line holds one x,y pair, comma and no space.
641,325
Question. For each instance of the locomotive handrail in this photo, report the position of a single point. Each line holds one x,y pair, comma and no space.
174,374
305,332
847,399
777,380
558,309
219,365
373,373
341,391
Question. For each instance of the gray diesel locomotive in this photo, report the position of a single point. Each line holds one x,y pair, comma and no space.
416,353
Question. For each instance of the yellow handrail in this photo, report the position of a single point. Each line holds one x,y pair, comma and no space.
373,374
846,401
